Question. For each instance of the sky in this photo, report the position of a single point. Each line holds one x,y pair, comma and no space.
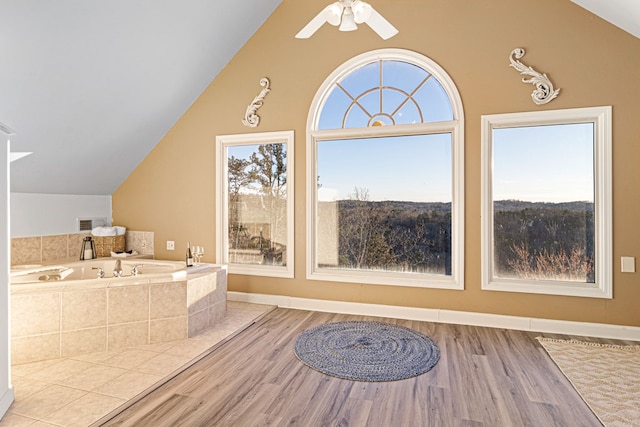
551,163
547,163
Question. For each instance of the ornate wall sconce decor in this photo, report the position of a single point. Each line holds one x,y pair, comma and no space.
544,91
251,119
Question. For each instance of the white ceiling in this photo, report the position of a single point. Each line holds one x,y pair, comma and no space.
623,13
90,86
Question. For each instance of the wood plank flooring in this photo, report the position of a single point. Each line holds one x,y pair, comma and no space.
485,377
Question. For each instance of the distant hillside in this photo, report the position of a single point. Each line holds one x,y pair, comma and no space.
518,205
399,205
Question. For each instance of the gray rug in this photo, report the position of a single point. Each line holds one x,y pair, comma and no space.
367,351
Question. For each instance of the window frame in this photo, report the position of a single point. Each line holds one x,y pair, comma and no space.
222,197
600,117
455,127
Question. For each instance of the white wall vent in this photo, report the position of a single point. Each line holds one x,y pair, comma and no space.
88,224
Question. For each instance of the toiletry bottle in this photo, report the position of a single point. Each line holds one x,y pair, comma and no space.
189,256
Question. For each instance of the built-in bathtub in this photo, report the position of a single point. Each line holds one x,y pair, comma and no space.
65,309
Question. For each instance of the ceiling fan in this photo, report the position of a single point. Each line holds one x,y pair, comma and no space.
347,14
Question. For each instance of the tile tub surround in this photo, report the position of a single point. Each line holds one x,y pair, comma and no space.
39,249
80,390
63,320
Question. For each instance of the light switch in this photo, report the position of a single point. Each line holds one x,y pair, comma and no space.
628,264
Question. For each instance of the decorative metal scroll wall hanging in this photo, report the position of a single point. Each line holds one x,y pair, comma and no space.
251,119
544,91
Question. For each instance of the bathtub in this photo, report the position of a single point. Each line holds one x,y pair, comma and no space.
85,273
65,309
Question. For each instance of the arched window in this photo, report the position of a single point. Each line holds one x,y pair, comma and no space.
385,174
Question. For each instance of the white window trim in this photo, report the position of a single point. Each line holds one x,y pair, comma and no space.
222,209
601,118
455,127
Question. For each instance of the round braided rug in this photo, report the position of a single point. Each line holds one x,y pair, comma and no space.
367,351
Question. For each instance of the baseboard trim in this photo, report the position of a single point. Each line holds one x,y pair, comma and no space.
596,330
5,401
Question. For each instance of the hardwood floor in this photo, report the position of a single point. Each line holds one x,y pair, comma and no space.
485,377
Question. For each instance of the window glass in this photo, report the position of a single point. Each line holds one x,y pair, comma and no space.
389,92
543,195
547,202
384,180
385,204
255,204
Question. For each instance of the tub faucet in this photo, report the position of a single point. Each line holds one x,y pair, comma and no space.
135,270
117,270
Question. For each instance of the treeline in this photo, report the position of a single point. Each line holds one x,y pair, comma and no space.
532,240
544,240
396,236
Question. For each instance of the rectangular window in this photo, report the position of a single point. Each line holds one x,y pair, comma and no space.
547,202
384,210
255,203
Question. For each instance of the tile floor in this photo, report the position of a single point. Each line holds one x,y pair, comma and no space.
79,390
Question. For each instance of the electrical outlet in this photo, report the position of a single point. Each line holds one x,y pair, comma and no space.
171,245
628,264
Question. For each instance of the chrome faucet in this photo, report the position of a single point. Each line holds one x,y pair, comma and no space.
117,270
135,270
100,271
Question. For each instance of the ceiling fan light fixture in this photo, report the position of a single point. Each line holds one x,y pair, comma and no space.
333,13
348,21
361,11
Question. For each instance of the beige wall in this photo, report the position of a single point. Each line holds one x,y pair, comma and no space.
593,62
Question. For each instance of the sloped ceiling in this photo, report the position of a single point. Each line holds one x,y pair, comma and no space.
623,13
90,86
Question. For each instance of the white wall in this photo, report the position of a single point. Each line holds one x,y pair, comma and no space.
50,214
6,390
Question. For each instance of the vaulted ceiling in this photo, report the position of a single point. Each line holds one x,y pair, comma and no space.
91,86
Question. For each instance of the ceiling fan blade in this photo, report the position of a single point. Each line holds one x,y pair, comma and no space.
381,25
330,14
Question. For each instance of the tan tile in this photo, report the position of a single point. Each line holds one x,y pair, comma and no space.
129,384
84,309
217,312
75,244
61,370
55,247
128,304
40,404
159,347
84,341
94,357
190,349
198,291
26,369
129,359
35,348
93,377
127,335
198,322
33,314
168,300
26,250
14,420
163,364
163,330
84,411
25,387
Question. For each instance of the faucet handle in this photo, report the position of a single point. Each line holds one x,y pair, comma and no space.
135,270
100,271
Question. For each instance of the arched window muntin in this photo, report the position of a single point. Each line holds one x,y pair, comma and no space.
453,127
